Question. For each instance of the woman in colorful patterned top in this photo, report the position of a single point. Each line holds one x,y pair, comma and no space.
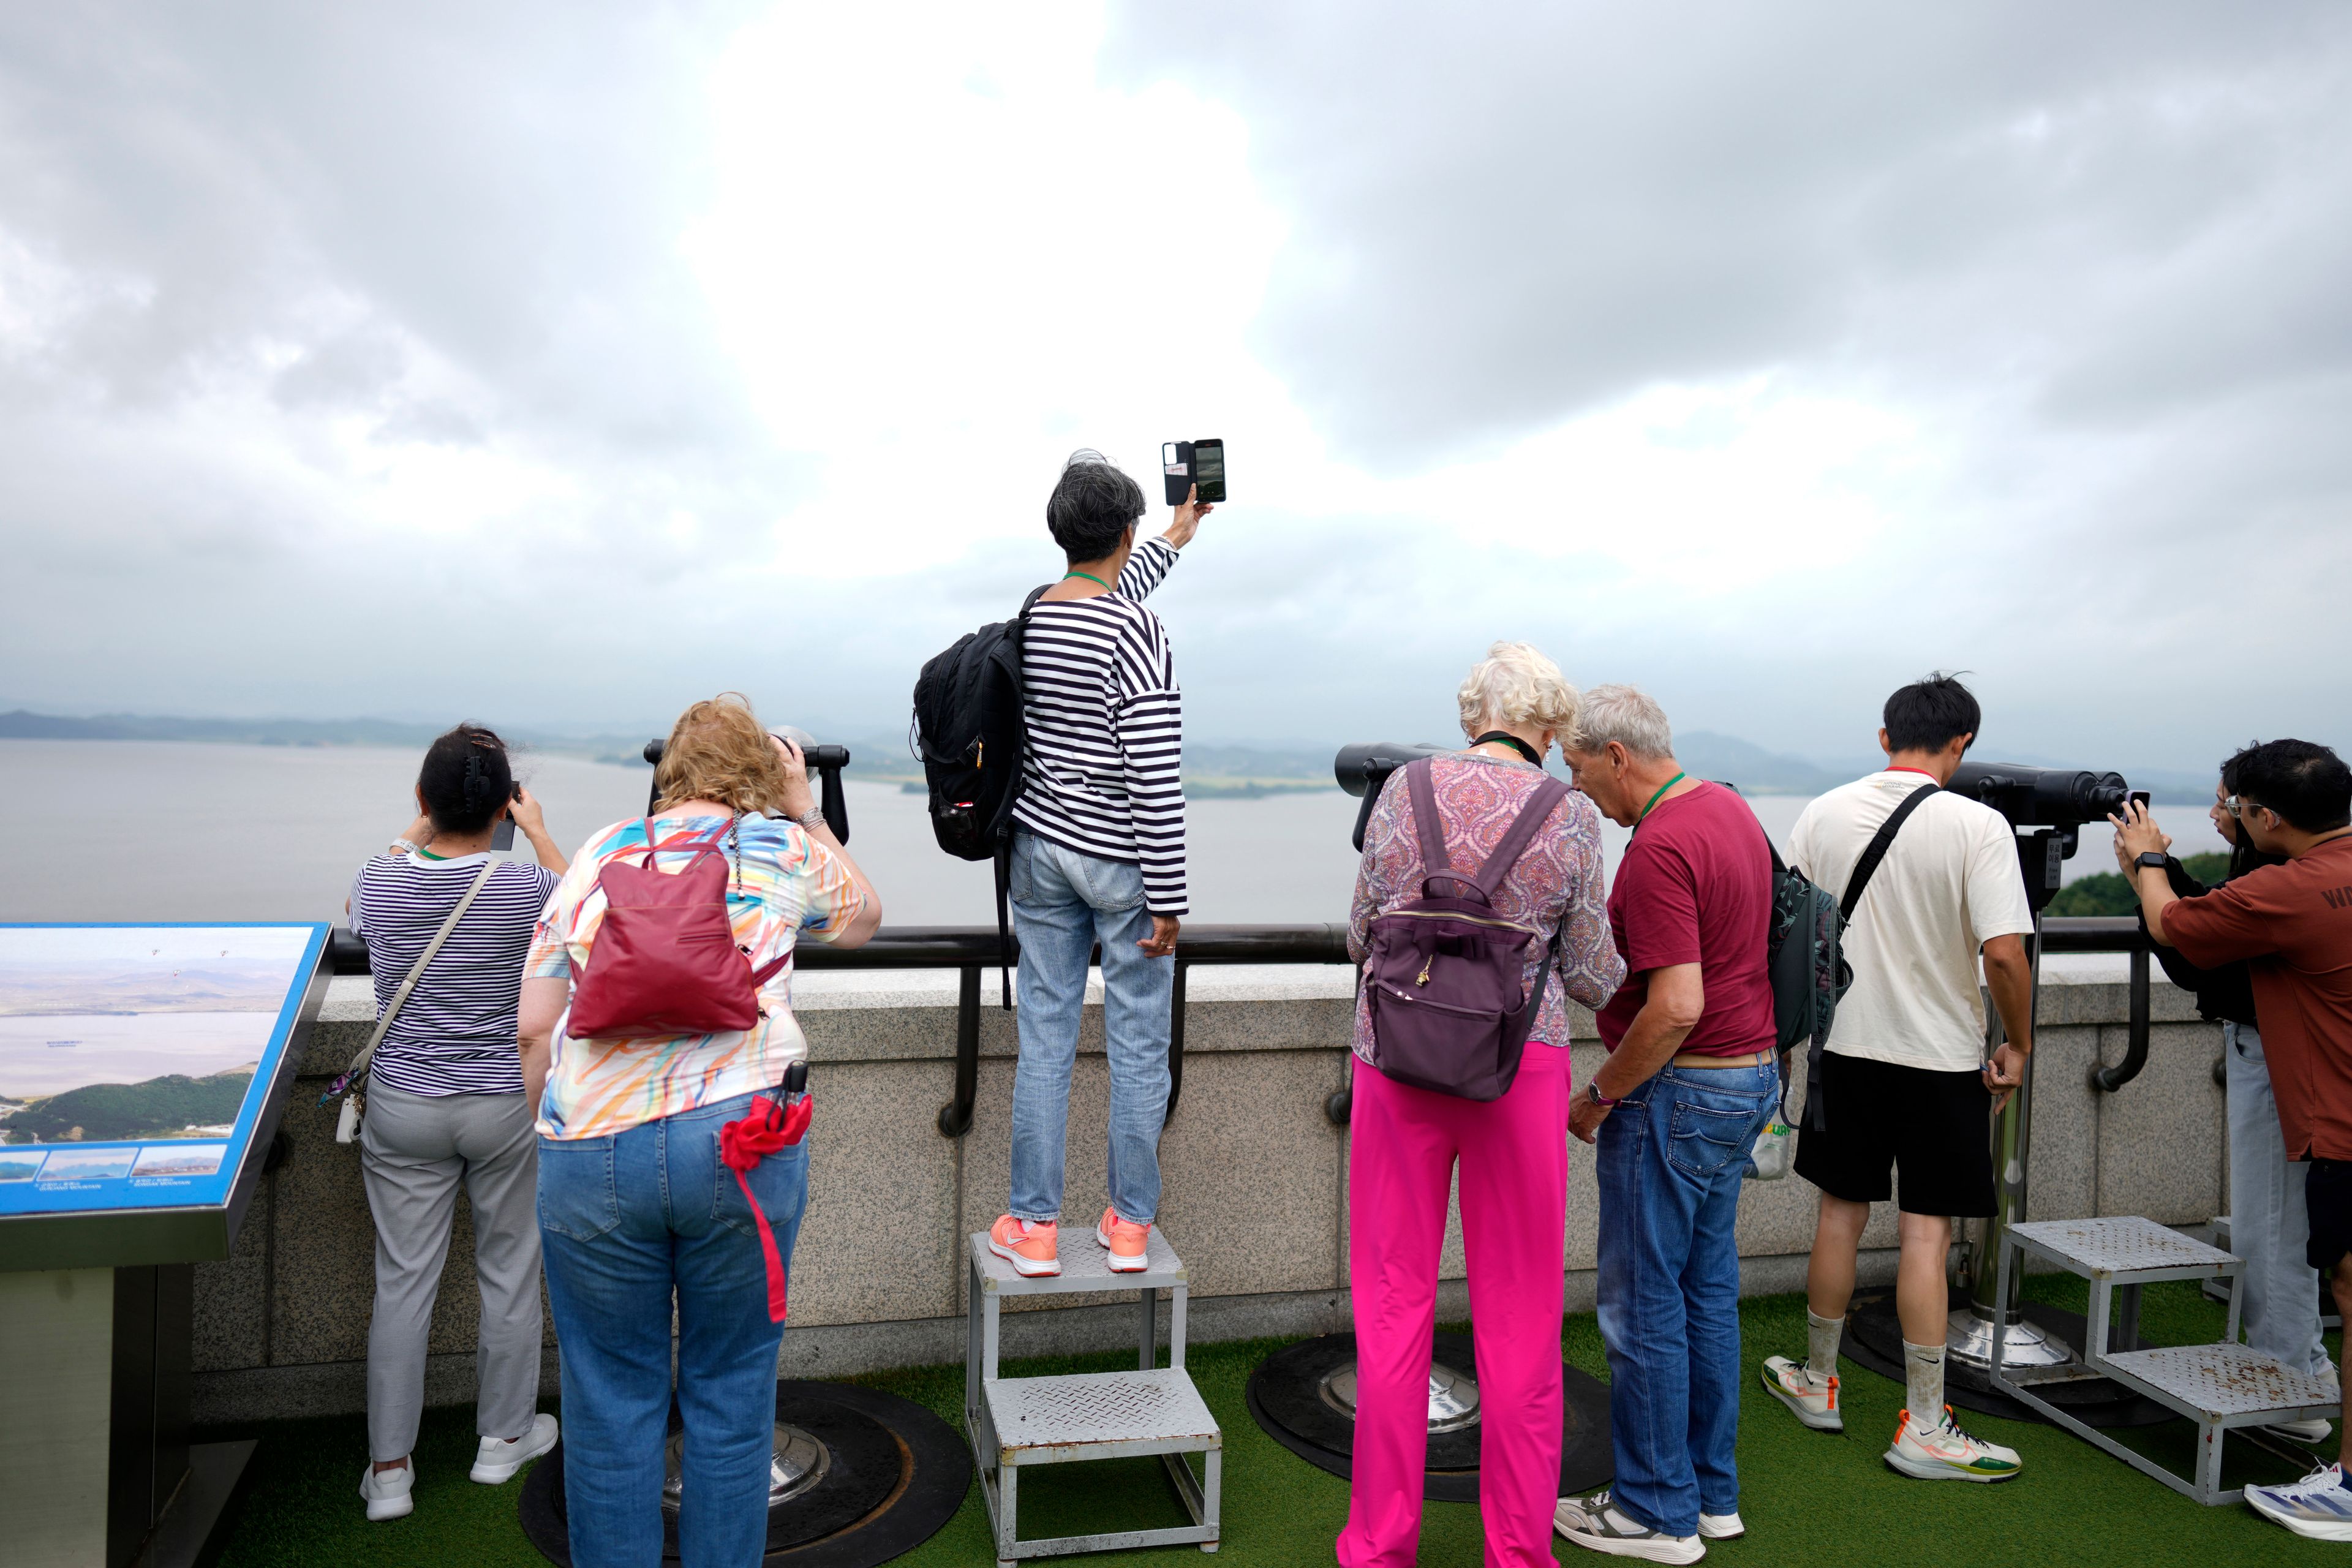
1405,1142
636,1208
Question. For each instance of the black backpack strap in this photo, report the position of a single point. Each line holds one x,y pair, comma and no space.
1867,867
1003,863
1437,865
1545,799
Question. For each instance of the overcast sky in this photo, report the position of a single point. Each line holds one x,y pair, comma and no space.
557,365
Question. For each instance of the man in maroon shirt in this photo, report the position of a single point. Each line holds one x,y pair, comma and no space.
1689,1083
2291,924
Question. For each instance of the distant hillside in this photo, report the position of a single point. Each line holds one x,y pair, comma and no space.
23,725
1727,758
119,1110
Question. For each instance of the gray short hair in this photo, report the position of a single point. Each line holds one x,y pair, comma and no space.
1628,716
1515,684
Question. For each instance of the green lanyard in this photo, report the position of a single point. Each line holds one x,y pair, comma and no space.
1091,578
1653,799
428,855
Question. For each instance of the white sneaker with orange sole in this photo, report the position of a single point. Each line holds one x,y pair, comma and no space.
1127,1242
1032,1247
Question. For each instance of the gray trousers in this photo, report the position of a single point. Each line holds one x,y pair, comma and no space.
414,1151
2268,1225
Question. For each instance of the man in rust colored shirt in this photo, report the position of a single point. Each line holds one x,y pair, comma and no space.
2291,924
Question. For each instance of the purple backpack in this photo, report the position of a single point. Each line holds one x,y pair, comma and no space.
1450,1009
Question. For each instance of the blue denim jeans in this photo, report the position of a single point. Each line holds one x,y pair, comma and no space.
2269,1225
625,1221
1062,903
1670,1163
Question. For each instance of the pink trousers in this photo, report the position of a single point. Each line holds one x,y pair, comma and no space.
1402,1146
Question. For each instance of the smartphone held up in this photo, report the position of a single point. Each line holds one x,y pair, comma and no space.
1188,463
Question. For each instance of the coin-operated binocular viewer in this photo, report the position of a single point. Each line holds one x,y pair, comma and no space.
2047,808
1363,769
825,762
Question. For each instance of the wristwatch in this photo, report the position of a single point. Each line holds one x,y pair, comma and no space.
1592,1092
2153,859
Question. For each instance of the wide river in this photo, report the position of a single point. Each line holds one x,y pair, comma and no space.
139,830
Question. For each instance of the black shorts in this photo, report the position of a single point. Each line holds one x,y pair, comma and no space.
1938,1126
2328,1198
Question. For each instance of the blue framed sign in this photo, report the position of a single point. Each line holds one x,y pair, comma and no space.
138,1064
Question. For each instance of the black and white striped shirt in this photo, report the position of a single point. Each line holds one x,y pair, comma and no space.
1103,774
456,1033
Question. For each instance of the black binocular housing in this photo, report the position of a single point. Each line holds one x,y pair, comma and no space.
2042,797
1363,768
828,760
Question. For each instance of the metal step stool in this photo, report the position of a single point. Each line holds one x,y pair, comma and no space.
1017,1422
2217,1290
2216,1386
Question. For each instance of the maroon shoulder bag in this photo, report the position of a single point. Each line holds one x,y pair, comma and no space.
1451,1010
665,961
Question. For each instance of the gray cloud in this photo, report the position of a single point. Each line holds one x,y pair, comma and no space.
2097,252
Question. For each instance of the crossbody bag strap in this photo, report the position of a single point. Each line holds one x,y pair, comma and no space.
1867,867
1436,864
400,997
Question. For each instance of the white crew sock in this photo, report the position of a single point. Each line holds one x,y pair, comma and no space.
1922,1373
1822,1336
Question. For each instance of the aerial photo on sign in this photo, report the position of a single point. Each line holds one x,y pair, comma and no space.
150,1033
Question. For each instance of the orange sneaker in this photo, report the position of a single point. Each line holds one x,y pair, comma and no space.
1030,1246
1125,1241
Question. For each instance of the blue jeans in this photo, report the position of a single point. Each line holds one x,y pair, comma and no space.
1670,1163
625,1221
2268,1223
1062,903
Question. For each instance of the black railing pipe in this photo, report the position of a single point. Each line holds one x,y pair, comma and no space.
2109,1079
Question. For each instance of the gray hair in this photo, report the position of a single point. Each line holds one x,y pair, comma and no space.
1515,684
1628,716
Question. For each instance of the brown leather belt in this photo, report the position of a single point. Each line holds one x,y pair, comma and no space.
1746,1059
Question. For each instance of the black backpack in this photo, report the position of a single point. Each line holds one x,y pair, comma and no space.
970,734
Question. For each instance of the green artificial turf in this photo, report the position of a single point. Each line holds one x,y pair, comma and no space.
1807,1497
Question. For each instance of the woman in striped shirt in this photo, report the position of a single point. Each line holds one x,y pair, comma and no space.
1097,856
445,1105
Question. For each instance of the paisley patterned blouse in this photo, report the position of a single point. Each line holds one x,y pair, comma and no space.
1557,882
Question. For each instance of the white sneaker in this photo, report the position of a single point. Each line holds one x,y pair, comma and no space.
2314,1430
1945,1453
1812,1398
1592,1524
498,1459
386,1492
1720,1527
2317,1506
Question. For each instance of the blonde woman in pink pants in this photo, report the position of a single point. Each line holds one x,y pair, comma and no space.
1406,1143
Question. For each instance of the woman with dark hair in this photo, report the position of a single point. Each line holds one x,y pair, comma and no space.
445,1105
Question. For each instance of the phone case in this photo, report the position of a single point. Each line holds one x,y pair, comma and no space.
1176,465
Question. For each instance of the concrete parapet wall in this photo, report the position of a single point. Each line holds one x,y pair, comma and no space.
1255,1180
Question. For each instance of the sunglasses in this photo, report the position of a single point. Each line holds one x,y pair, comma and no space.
2238,806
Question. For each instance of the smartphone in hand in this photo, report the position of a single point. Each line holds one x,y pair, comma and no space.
1183,464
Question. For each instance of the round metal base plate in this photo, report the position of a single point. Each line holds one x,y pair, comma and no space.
860,1477
1303,1396
1873,1339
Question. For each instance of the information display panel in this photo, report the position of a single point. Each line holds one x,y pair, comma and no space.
140,1066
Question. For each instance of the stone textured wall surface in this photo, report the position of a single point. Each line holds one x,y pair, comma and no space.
1254,1185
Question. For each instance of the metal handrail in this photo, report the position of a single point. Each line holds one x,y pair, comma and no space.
969,950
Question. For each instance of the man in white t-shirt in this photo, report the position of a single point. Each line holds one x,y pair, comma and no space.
1905,1083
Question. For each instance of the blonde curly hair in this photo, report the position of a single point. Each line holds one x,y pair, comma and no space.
719,751
1515,684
